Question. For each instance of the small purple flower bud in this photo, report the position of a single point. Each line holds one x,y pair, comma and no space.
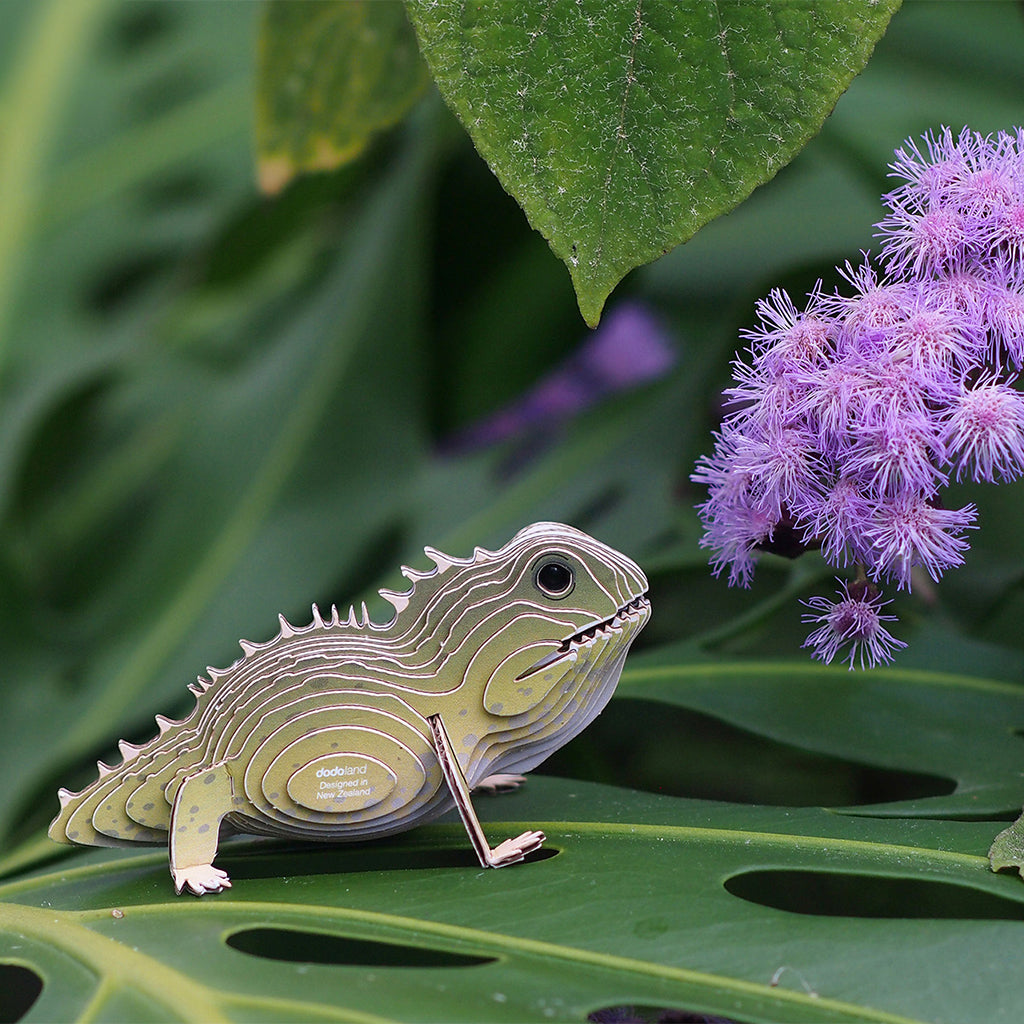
873,309
929,178
734,538
762,396
921,244
898,454
987,184
855,619
1006,319
787,337
836,521
782,464
936,341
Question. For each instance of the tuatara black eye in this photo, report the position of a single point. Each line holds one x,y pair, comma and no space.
554,578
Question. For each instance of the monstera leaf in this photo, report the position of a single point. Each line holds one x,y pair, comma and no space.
884,909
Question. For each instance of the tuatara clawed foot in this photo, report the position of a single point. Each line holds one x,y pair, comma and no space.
199,879
514,850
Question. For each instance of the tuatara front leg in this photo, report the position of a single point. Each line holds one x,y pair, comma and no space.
509,852
201,801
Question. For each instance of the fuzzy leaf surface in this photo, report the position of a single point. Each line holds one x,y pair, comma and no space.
623,128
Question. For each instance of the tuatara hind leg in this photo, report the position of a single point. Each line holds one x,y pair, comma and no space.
198,806
499,783
509,852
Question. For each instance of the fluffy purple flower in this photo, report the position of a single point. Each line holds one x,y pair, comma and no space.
909,531
984,431
783,467
972,173
849,416
787,337
855,619
836,520
892,392
829,400
1005,231
873,309
763,396
915,244
898,454
937,340
929,177
987,183
1005,308
965,212
734,538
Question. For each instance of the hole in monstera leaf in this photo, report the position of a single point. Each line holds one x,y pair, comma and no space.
835,894
660,748
20,987
293,946
629,1014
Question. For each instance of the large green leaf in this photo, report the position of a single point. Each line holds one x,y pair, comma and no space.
756,914
622,128
953,727
883,911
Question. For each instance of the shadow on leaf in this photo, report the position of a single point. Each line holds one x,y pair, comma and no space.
291,859
692,754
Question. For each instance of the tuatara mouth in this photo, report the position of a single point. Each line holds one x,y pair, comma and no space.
587,634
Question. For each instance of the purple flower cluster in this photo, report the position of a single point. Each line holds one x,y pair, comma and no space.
848,417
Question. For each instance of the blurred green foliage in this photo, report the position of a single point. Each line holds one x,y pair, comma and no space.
216,406
329,76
